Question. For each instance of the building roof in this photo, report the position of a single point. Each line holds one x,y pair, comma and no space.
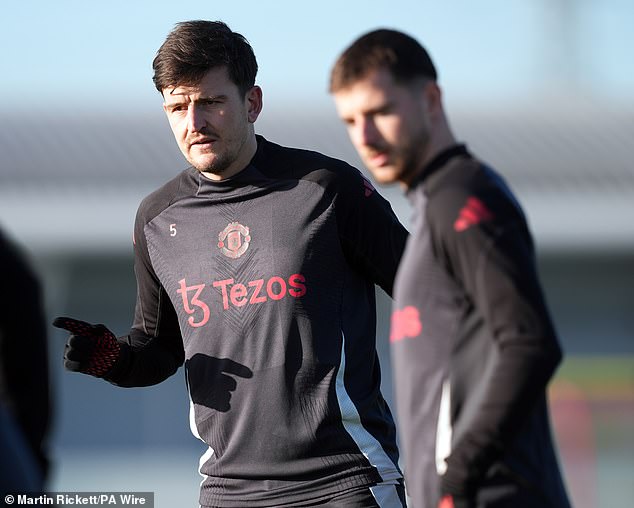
75,182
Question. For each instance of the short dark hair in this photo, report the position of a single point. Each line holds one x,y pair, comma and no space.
193,48
400,54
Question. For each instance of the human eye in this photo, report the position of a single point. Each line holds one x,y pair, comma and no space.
177,108
385,110
211,102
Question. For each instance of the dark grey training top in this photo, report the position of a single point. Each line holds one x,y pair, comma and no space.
473,345
263,284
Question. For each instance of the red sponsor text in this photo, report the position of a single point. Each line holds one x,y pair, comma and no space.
237,294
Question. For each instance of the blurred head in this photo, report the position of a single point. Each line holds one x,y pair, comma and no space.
206,75
385,91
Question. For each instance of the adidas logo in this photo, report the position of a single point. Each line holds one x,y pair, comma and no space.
472,213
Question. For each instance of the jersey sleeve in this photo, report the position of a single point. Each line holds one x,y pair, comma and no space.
153,350
484,241
371,235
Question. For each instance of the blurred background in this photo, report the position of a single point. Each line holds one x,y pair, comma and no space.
541,89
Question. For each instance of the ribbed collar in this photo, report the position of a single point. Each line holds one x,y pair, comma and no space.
438,162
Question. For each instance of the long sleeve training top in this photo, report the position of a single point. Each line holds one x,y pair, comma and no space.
473,344
263,285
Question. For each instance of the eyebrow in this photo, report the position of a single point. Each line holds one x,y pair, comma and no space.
199,99
383,108
211,98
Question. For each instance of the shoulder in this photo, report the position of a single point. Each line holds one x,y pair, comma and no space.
303,164
16,267
469,194
178,187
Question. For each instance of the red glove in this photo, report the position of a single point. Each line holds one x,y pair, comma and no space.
91,349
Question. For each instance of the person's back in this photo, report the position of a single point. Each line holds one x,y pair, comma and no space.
24,383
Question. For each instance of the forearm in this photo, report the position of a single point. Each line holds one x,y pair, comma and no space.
147,364
505,288
134,360
517,383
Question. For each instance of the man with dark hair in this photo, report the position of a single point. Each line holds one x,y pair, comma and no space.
256,267
472,342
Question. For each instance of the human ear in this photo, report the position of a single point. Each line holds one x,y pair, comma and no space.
254,103
433,98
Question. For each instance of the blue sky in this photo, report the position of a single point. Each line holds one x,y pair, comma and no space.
82,56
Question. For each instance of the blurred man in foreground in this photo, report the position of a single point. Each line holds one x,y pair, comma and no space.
24,381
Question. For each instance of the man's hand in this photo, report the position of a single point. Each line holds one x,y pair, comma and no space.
91,349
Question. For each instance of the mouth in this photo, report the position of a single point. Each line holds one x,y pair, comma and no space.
203,144
377,158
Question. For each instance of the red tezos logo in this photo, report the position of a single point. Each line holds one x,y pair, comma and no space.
233,241
236,294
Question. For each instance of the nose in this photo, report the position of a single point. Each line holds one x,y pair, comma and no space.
195,118
367,133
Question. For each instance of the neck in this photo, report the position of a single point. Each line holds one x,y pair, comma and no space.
246,153
440,139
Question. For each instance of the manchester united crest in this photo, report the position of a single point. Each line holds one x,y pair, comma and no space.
233,241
